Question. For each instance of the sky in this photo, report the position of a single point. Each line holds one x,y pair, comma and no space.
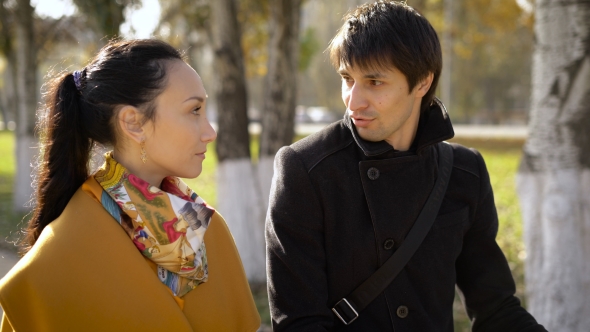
139,23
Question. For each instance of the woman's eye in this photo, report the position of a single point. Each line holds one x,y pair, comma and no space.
196,110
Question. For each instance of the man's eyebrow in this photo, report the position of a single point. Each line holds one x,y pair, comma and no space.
370,76
373,76
201,99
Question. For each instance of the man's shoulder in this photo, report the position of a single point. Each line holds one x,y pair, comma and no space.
466,159
314,148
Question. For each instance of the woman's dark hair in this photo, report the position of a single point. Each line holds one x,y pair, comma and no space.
80,109
382,34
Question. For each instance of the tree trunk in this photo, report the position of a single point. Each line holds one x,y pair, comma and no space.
237,186
352,4
446,82
419,5
105,15
280,92
554,177
8,91
26,84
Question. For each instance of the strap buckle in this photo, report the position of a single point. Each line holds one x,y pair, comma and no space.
345,312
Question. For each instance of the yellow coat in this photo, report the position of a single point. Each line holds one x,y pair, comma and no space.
85,274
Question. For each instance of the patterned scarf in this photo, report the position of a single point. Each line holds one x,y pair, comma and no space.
167,225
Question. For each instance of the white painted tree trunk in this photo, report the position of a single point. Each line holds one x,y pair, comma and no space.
238,190
554,178
240,203
265,170
26,153
26,85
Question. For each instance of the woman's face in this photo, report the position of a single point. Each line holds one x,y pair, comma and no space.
177,140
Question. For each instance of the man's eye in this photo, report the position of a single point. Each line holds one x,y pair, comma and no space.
376,82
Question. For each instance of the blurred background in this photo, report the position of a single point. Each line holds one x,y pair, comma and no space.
486,86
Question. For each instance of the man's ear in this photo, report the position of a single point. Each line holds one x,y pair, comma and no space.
130,122
424,85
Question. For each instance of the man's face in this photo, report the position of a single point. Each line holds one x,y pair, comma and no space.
381,105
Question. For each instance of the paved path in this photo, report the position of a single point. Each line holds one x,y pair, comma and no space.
7,260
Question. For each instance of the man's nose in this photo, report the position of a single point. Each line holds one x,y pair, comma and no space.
356,98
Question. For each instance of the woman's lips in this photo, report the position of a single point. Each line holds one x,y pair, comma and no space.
201,154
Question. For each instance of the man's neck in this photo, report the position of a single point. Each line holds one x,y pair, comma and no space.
403,138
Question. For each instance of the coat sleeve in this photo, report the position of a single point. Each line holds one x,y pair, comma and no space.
5,327
296,262
483,274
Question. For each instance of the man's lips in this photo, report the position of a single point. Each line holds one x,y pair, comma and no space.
361,122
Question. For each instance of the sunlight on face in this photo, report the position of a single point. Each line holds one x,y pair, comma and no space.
380,103
177,140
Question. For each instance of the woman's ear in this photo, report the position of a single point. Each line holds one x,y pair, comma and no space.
424,85
130,121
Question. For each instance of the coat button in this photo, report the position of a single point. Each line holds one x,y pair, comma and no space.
373,173
388,244
402,311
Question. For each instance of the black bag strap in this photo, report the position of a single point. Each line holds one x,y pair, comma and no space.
348,309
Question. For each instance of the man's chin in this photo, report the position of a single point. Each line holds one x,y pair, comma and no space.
369,135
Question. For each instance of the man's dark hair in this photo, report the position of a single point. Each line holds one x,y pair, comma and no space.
385,33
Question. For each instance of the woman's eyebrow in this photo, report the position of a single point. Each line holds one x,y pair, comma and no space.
201,99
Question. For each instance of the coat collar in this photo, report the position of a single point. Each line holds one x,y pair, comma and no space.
434,126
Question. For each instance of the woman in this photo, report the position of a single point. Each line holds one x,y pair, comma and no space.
130,248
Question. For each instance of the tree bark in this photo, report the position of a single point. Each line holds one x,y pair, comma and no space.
419,5
554,177
26,83
280,92
447,43
238,191
8,92
233,140
106,15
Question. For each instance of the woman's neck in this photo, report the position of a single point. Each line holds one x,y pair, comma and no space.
133,163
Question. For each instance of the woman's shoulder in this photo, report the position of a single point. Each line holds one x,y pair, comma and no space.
84,229
85,261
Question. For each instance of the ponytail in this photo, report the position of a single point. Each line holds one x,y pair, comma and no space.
65,150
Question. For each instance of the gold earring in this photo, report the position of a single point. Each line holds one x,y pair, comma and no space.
143,155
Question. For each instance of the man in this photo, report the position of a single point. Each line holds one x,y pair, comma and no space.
344,199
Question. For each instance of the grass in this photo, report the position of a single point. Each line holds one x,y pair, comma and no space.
502,159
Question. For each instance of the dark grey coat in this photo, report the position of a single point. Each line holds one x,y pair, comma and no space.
330,226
